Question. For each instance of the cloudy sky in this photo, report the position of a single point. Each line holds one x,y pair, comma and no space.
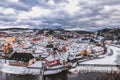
68,14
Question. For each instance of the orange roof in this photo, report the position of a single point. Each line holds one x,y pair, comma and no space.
10,39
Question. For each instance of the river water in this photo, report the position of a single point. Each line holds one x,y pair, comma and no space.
65,75
61,76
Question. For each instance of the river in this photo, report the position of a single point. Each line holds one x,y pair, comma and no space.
61,76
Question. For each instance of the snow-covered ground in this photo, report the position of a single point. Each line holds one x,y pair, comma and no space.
107,60
110,60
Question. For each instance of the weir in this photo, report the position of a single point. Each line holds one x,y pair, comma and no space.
96,68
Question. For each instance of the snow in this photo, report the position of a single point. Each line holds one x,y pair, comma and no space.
75,48
107,60
93,69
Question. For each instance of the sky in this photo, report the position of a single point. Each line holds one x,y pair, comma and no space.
67,14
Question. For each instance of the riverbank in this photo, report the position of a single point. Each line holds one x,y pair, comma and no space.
65,76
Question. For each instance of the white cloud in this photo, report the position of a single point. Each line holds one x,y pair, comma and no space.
72,7
97,17
7,11
14,1
51,2
109,8
115,17
20,26
56,24
34,13
36,22
84,19
76,29
102,22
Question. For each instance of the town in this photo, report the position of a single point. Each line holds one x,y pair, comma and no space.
31,51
